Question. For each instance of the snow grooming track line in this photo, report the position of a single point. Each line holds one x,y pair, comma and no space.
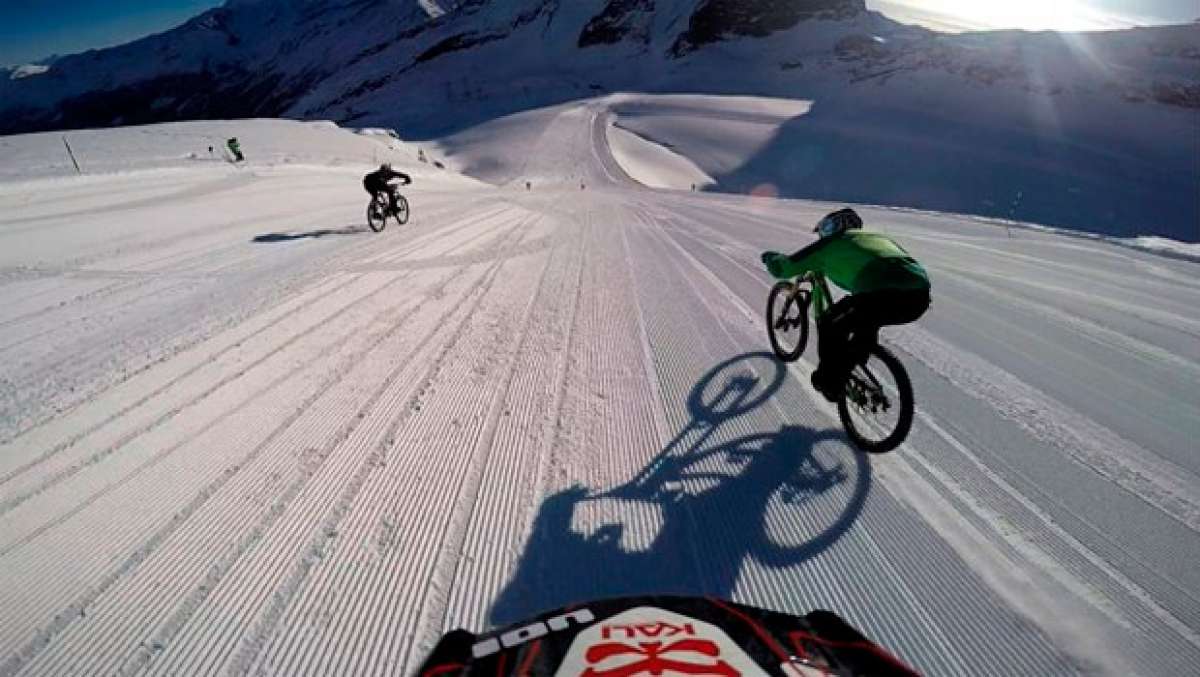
671,378
206,587
135,280
1079,551
150,462
188,284
1151,478
370,520
197,256
57,416
364,245
75,610
329,348
435,599
185,612
318,269
159,390
546,460
656,396
605,426
282,599
125,281
527,433
9,503
1083,326
678,332
1126,616
206,189
437,238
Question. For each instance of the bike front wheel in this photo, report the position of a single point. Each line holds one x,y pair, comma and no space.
377,214
787,320
876,405
401,210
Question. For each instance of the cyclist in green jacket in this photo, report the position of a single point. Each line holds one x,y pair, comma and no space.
886,286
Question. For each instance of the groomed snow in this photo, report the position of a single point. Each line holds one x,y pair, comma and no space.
240,432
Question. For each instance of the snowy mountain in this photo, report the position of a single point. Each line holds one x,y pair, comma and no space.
1092,131
327,58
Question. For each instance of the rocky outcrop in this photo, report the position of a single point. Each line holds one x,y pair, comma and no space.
621,20
715,20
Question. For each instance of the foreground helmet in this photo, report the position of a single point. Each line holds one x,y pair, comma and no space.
837,222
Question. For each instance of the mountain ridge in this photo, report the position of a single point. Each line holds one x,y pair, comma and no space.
1086,130
314,58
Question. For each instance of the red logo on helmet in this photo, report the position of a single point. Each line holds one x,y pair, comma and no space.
685,656
651,642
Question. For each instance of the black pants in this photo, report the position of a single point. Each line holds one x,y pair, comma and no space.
377,187
852,325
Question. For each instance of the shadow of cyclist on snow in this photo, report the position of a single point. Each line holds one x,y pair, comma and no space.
267,238
715,504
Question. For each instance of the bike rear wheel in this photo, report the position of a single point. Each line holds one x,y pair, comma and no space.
876,405
787,320
377,211
401,210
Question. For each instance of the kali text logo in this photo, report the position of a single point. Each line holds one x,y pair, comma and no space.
651,630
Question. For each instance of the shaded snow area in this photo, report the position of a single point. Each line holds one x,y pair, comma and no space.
781,147
242,433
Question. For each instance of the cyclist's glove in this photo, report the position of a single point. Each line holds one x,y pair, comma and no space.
772,261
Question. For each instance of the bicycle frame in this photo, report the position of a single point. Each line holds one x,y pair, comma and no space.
821,296
822,299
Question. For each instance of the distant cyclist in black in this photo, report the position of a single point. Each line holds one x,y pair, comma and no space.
377,182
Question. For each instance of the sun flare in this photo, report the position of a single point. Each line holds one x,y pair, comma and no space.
1055,15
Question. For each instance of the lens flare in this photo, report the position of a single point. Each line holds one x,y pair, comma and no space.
765,190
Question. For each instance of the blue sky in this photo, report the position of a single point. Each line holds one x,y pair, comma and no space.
33,29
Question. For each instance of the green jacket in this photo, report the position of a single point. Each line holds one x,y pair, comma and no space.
855,260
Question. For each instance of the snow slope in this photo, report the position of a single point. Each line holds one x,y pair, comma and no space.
241,433
190,145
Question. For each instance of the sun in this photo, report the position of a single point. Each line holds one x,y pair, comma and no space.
1033,15
1056,15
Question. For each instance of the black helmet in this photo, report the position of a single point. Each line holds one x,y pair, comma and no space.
837,222
385,167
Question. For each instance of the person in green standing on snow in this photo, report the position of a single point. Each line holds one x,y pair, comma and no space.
236,149
886,286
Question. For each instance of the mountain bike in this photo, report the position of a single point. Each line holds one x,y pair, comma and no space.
379,208
875,404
